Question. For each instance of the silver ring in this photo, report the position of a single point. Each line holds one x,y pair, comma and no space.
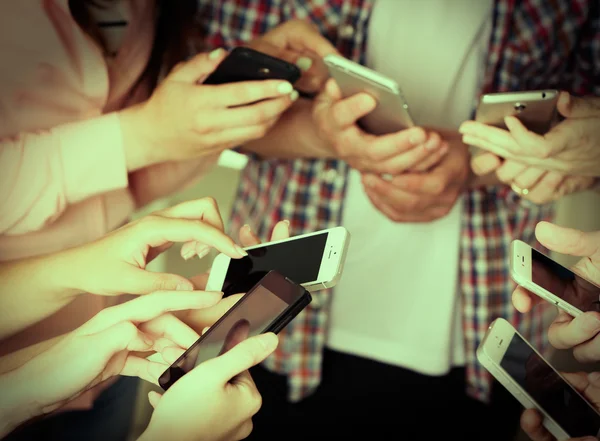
519,190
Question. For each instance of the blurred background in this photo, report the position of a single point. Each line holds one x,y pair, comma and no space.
580,211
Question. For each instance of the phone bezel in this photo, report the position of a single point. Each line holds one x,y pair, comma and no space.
490,353
330,267
521,273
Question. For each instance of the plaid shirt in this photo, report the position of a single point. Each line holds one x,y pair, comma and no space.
534,44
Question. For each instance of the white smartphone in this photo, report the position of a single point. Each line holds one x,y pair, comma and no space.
535,109
551,281
535,383
391,114
313,260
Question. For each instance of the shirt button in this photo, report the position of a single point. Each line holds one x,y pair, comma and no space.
347,31
330,176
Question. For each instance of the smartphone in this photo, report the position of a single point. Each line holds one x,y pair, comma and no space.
314,260
391,114
551,281
535,383
245,64
267,307
535,109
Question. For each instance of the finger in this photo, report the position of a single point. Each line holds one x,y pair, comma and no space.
146,370
247,237
139,282
588,352
201,318
509,170
348,111
197,68
432,160
576,107
489,138
407,160
242,357
546,190
200,281
191,249
226,139
170,354
157,230
524,300
529,143
432,183
170,327
529,177
408,202
567,332
579,380
151,306
414,142
567,240
154,398
251,115
484,163
204,209
281,231
532,425
244,92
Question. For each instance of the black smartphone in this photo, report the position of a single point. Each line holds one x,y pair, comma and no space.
245,64
267,307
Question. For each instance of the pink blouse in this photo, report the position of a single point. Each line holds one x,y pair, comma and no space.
63,176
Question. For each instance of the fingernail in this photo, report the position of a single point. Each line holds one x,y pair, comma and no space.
240,250
189,254
285,88
287,222
417,138
461,129
247,227
147,340
591,322
294,95
269,341
215,54
594,377
304,63
184,287
202,251
432,144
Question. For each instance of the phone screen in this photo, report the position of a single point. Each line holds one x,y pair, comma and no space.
572,413
564,283
299,260
250,316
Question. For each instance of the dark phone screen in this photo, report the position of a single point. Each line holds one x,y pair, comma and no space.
251,316
299,260
564,283
572,413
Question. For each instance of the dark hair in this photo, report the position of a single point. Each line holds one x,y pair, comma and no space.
176,34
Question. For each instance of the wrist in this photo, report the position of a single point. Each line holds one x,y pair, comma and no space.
139,143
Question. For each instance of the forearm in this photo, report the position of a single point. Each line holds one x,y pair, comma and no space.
33,289
294,136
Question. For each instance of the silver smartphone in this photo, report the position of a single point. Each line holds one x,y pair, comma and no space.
391,114
536,384
313,260
535,109
551,281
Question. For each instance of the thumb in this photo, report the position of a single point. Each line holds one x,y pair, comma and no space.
243,356
154,398
199,67
567,240
144,282
574,107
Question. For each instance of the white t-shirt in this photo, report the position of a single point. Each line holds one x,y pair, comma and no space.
397,301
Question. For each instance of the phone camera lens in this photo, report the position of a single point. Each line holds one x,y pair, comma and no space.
544,95
519,107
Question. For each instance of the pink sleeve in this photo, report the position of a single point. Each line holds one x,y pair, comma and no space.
161,180
42,173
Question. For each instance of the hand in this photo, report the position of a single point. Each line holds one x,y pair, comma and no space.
336,122
299,42
570,148
201,319
532,183
120,258
216,400
112,343
566,332
185,119
586,384
421,197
